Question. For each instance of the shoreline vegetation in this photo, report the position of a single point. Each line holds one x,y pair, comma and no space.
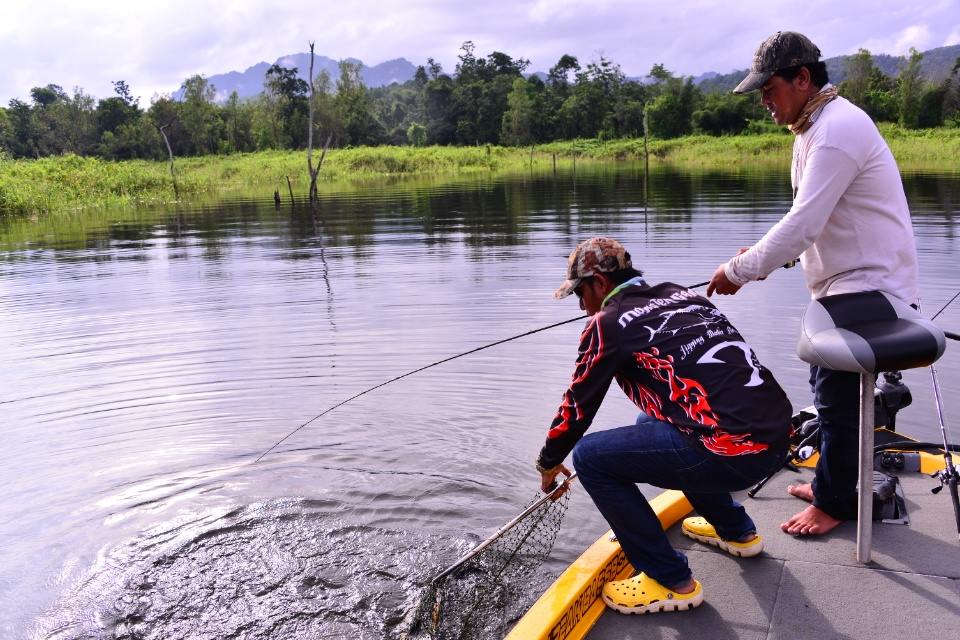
69,183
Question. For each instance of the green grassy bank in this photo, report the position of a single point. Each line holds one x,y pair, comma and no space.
69,183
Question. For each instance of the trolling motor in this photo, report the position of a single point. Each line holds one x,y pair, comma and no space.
890,396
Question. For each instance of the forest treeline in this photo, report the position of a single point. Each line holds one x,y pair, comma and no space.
485,100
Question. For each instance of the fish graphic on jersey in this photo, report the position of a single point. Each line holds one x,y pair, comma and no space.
708,316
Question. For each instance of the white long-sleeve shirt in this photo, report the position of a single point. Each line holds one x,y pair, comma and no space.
849,223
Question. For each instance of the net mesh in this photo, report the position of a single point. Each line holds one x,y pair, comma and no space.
481,598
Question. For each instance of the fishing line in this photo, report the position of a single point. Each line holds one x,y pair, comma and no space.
949,334
944,307
410,373
424,368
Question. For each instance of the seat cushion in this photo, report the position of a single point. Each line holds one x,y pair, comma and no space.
867,332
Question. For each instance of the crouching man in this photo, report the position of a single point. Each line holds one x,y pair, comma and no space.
714,421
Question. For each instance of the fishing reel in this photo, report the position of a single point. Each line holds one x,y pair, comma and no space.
891,396
948,477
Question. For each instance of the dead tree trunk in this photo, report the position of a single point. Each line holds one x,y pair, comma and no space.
173,177
314,198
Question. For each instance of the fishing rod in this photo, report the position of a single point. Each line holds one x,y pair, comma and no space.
410,373
424,368
948,476
433,364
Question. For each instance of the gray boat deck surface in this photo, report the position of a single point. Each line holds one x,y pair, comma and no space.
814,587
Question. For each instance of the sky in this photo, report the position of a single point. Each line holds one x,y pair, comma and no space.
154,46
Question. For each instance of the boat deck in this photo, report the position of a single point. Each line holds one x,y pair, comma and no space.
814,587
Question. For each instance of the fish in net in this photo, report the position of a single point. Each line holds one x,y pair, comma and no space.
481,593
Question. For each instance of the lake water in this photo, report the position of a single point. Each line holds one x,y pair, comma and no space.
150,357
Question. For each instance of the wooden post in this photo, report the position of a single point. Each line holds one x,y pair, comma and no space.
173,177
290,188
646,154
646,169
554,164
314,198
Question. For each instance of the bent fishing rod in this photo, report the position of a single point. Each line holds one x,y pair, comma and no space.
424,368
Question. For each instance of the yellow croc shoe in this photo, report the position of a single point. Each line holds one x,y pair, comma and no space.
702,531
642,594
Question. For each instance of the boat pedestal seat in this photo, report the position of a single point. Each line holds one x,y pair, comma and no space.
866,333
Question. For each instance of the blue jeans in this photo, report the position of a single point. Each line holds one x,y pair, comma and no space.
836,395
611,463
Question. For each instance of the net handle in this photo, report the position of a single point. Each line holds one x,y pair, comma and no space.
557,491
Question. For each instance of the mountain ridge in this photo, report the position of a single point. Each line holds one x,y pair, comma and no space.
936,66
249,83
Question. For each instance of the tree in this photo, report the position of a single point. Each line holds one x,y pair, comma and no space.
122,90
951,97
354,107
520,117
859,69
590,106
437,98
237,119
200,117
909,87
417,134
659,73
76,124
112,114
880,100
286,101
670,112
6,132
479,97
43,97
45,126
559,75
21,142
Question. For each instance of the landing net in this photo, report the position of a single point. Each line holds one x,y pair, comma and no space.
482,597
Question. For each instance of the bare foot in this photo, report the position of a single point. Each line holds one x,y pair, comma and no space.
810,522
685,587
803,491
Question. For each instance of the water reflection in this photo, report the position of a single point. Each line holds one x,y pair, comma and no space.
151,355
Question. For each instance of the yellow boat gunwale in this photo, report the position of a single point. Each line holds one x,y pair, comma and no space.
572,604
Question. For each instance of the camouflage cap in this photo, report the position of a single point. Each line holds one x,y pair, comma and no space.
596,255
782,50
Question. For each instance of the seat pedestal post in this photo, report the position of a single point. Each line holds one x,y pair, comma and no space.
865,480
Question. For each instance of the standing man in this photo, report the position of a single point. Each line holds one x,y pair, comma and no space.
850,226
714,421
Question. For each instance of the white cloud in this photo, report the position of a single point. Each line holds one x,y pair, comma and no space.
953,38
899,43
916,36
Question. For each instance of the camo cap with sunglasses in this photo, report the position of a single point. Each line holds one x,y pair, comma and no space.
782,50
593,256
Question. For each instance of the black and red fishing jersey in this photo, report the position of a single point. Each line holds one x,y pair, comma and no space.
679,360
